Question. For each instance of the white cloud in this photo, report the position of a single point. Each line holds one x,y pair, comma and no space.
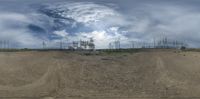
175,22
102,38
106,23
13,17
13,29
88,13
85,12
61,33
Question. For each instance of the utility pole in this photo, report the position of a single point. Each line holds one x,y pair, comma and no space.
4,44
67,42
117,43
43,45
110,46
61,45
1,44
132,44
154,43
8,44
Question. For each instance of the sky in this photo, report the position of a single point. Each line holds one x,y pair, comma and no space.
28,23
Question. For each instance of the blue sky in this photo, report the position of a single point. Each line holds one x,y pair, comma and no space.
27,23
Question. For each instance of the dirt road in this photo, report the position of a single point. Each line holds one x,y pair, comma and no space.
62,75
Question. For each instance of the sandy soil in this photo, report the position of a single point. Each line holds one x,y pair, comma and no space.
61,75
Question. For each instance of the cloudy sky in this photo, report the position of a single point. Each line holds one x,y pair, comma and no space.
27,23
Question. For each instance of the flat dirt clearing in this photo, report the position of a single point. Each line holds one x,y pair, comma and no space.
166,74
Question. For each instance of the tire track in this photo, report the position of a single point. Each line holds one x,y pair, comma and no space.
43,87
170,85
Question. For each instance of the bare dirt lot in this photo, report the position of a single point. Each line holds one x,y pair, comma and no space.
63,75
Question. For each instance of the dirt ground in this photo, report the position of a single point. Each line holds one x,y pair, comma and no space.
62,75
